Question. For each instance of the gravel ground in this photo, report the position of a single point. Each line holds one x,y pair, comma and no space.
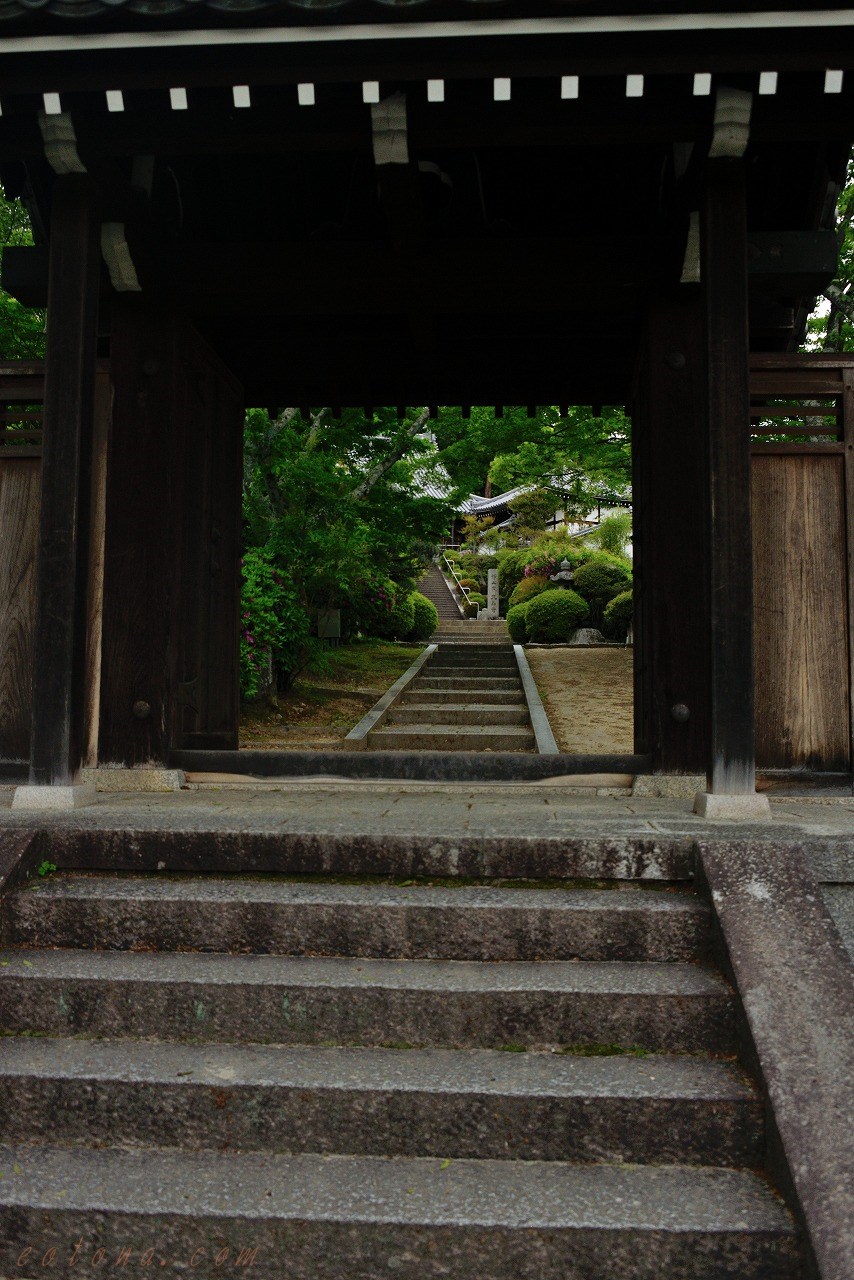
588,697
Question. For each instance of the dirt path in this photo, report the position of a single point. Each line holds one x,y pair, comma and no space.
588,697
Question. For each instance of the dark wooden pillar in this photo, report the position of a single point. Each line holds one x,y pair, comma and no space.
208,703
731,767
140,552
671,561
59,649
170,658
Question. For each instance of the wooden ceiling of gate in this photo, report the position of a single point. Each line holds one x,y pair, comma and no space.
508,261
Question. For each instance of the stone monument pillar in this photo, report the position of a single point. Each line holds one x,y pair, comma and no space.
492,594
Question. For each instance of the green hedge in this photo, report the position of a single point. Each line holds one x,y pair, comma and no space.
599,581
402,616
527,589
516,624
426,617
553,616
511,570
475,566
618,615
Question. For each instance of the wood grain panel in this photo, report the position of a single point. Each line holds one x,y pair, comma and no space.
209,658
671,567
140,555
802,675
20,488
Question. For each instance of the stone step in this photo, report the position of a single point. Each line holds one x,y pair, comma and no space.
447,849
459,665
450,1103
485,671
474,682
502,697
464,713
284,917
444,737
315,1217
674,1008
450,654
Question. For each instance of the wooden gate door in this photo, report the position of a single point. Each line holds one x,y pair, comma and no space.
21,391
21,400
802,479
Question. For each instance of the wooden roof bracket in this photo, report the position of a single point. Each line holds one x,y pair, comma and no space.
60,143
732,124
730,136
390,136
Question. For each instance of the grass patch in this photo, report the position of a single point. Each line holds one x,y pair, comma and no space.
512,1048
325,704
364,662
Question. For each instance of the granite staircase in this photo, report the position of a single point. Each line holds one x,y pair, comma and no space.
435,588
374,1072
465,698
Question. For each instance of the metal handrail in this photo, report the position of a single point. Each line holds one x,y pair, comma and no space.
450,571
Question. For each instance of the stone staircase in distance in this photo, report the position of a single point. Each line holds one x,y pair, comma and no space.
465,698
453,628
384,1069
435,588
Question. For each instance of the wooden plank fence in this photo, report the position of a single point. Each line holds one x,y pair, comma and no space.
802,442
21,397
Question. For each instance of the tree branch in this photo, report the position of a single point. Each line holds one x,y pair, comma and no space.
396,452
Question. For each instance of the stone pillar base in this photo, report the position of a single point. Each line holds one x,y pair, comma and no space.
57,799
725,808
139,779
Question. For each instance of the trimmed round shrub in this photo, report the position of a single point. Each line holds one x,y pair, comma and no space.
475,597
553,616
599,581
618,615
426,617
469,582
470,610
516,624
398,621
527,589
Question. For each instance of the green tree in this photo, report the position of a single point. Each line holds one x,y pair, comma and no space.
831,326
582,456
340,512
21,328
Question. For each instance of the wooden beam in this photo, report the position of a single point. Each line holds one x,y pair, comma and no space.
59,650
376,277
732,768
614,54
369,277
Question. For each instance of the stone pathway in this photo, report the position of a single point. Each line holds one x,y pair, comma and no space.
466,698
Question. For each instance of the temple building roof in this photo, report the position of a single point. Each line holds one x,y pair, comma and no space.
306,12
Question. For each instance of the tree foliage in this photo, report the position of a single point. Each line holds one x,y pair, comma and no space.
21,328
579,455
831,326
338,509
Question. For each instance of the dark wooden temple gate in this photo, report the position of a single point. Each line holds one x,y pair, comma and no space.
400,212
140,664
